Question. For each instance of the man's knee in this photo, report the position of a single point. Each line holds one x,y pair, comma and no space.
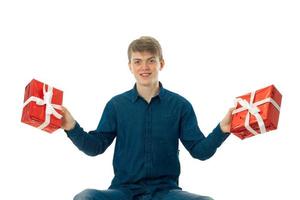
184,195
110,194
88,194
199,197
205,198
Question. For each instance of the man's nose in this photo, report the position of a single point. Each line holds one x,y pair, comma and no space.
145,66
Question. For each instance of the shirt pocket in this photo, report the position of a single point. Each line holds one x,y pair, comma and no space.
165,127
165,135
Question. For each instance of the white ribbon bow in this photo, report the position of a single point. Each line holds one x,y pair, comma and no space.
254,110
50,108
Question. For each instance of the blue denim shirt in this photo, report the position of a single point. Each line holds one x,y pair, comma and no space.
146,156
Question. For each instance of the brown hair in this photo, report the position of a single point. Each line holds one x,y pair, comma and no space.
145,43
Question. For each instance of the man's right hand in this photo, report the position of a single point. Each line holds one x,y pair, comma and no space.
68,122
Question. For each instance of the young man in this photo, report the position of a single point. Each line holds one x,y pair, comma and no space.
147,122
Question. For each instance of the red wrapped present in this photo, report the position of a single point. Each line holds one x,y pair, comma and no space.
42,106
256,112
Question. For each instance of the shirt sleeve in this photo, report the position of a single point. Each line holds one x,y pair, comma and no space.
96,142
193,139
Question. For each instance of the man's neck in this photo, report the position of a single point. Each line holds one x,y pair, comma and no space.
148,91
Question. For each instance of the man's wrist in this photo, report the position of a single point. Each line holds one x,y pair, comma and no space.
224,129
72,126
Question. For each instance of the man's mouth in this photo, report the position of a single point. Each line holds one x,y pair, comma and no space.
145,74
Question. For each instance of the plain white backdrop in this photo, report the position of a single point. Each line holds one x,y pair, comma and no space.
214,51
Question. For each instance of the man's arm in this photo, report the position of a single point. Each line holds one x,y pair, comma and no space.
193,139
94,142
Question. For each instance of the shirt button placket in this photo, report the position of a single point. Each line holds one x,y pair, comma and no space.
148,140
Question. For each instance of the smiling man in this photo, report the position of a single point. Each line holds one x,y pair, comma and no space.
147,122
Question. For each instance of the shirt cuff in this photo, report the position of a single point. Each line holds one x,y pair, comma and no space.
222,136
74,130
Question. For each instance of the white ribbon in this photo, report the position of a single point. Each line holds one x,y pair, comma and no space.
50,108
254,110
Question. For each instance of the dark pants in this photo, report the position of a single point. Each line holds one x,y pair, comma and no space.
114,194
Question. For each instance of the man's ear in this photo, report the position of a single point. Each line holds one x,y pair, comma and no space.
162,64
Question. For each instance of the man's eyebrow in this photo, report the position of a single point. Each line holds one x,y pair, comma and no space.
151,58
141,59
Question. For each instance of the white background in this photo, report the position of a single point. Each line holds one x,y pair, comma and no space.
214,51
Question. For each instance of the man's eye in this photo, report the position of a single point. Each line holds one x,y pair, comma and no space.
137,62
152,61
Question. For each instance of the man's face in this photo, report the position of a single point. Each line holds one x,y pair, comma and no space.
145,67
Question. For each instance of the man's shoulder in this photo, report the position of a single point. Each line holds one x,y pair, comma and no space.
169,95
174,96
127,95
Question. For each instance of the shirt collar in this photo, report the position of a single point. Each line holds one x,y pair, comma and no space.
135,94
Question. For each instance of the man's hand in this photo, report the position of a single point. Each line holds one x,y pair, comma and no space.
226,122
68,122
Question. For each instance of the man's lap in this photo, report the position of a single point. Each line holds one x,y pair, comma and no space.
110,194
181,195
114,194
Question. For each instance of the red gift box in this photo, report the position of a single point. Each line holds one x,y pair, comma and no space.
256,112
42,106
